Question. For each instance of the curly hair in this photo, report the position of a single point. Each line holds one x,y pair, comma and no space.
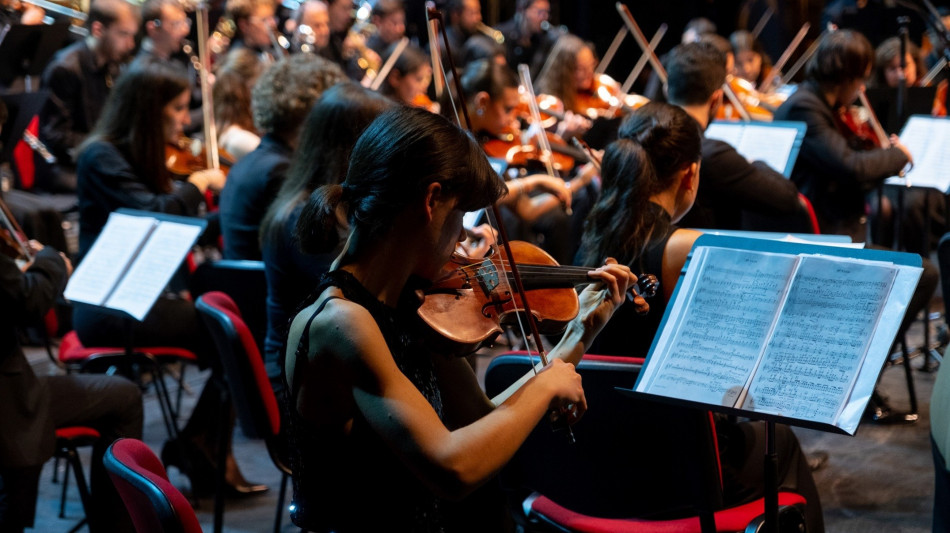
286,91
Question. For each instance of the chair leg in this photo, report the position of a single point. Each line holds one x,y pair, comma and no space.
280,502
62,497
908,372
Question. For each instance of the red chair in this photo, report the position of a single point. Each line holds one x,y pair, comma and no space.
68,441
249,386
810,211
102,359
154,504
636,465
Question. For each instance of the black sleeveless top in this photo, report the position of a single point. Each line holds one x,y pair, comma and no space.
628,333
355,482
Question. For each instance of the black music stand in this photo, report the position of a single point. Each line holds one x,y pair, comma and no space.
26,49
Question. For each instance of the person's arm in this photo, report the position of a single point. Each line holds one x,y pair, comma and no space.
451,462
26,296
827,148
57,123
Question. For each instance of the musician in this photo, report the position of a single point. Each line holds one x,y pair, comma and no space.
326,140
462,23
122,164
79,79
528,35
570,73
255,23
389,19
887,64
281,99
234,79
752,63
409,78
376,416
347,48
651,176
729,184
311,27
31,406
17,12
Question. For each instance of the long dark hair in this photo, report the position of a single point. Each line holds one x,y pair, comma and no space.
132,119
323,151
394,161
655,142
842,56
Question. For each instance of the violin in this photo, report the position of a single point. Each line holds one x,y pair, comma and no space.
861,126
13,241
482,291
605,98
188,156
422,100
515,153
756,105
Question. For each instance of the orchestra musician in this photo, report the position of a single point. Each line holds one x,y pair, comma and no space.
836,169
79,79
752,63
463,24
122,164
326,140
651,176
234,78
887,64
17,12
528,35
348,48
409,78
281,99
369,399
311,27
730,185
389,19
255,22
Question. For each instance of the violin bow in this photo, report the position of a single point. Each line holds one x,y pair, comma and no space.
588,152
611,50
786,55
435,16
388,65
10,224
207,105
637,69
641,39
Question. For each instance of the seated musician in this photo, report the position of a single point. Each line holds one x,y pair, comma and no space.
311,22
528,35
281,99
234,78
377,418
79,79
17,12
122,164
651,175
389,19
836,169
752,63
408,81
730,184
347,48
492,92
569,76
255,22
887,64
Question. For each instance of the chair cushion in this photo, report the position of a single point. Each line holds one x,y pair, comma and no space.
71,351
76,433
733,519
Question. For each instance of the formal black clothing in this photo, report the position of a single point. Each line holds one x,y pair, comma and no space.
291,276
730,185
378,45
835,176
252,185
78,91
106,181
532,50
337,475
334,52
32,407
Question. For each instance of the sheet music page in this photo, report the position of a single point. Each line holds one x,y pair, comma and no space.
821,338
927,139
108,258
727,132
725,316
157,262
771,145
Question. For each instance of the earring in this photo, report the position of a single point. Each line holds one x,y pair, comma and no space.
480,111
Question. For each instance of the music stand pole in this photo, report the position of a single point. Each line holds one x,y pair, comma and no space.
771,479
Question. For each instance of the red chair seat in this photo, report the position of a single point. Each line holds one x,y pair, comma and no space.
71,351
733,519
76,433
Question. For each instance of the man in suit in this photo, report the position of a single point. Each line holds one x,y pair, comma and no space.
32,406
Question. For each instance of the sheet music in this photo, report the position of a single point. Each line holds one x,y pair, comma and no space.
159,259
821,338
927,139
772,145
723,327
108,258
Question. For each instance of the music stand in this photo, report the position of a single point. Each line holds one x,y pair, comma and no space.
883,101
27,49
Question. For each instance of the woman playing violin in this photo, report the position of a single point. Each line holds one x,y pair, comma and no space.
409,79
650,178
376,417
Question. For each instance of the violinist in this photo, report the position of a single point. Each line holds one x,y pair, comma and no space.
376,416
389,19
409,79
651,176
752,63
887,64
528,36
281,99
837,171
569,76
730,186
122,164
234,78
79,79
493,99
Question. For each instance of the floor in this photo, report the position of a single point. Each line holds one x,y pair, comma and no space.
879,480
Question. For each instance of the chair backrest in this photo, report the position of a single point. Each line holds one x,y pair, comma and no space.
631,458
243,366
244,282
154,504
